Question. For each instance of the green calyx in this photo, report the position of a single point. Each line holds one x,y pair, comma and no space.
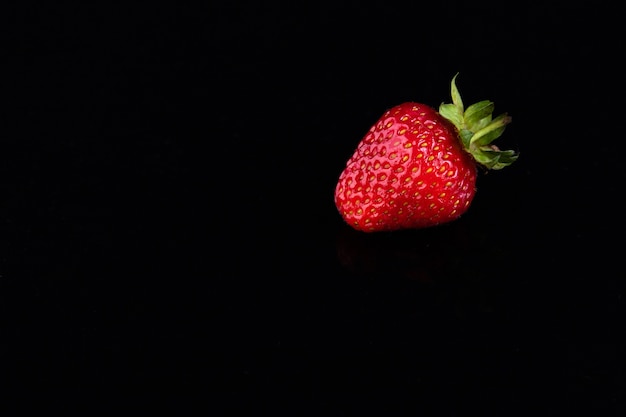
478,129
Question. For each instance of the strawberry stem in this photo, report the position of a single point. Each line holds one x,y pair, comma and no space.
478,129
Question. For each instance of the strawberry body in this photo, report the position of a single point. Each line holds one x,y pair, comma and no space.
417,167
409,171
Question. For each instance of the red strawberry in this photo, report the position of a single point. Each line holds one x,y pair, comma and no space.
417,167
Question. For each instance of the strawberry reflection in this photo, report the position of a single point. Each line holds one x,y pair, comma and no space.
419,255
445,264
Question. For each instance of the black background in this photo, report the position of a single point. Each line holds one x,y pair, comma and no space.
169,241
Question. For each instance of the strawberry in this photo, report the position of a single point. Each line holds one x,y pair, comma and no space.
417,167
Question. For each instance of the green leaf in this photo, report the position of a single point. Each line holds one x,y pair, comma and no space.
487,159
492,131
466,137
497,159
452,113
478,115
456,96
488,135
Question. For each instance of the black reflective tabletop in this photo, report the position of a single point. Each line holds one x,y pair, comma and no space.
169,239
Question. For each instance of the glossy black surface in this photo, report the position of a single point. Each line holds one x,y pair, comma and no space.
169,241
